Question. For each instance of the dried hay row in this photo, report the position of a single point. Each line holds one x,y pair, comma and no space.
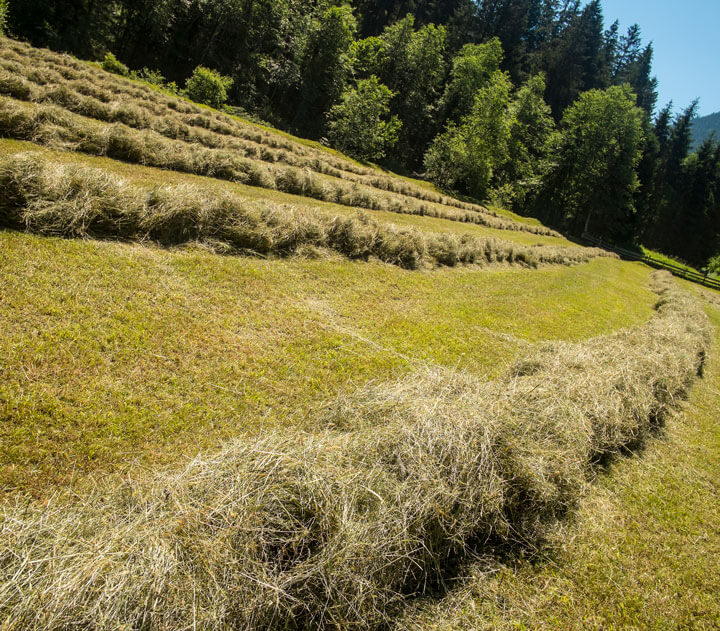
86,99
58,128
203,118
53,199
81,95
336,530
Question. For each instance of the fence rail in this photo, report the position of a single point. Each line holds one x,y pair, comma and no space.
687,274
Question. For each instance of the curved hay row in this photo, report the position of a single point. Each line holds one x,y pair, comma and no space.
53,199
336,530
83,94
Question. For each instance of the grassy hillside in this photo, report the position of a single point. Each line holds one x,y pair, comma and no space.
75,106
368,377
114,352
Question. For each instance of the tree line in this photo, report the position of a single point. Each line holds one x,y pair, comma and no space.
534,104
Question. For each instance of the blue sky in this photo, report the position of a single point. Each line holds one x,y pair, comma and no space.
686,39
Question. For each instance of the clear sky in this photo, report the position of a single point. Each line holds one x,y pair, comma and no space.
686,39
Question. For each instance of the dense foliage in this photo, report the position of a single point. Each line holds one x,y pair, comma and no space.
532,103
208,87
594,178
360,124
111,64
4,8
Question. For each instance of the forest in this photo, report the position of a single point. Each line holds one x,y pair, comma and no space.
542,106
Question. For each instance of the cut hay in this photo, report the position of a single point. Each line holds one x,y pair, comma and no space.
57,127
48,198
338,529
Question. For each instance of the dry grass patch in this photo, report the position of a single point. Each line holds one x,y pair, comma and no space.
56,127
642,552
338,529
267,144
114,354
148,177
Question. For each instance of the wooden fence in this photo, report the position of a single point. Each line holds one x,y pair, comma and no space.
690,275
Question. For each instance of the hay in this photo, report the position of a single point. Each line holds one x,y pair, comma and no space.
58,127
45,197
337,530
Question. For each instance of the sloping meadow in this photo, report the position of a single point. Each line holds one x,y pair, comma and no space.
80,108
337,529
66,200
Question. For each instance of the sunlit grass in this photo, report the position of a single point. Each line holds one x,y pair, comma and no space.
149,176
112,352
643,552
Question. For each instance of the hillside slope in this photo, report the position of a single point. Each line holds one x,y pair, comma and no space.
704,127
247,382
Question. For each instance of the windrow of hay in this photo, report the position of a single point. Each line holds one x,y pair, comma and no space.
89,91
336,530
53,199
56,127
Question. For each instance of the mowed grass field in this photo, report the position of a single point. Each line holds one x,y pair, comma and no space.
121,359
118,355
144,176
117,352
642,552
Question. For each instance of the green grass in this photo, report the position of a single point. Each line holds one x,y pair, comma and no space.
114,352
115,357
672,261
193,139
642,553
509,214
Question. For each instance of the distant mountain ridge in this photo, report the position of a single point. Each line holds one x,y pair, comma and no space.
704,126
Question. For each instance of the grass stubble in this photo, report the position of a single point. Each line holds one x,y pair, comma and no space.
642,550
55,127
338,529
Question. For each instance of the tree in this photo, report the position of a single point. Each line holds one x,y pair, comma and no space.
208,86
631,63
111,64
513,23
575,59
4,11
471,69
713,265
531,128
412,64
697,221
596,152
465,157
663,196
325,65
361,124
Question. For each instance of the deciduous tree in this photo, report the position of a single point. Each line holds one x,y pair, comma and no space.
361,124
597,150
